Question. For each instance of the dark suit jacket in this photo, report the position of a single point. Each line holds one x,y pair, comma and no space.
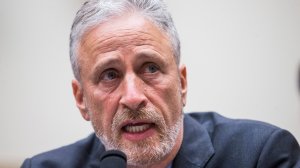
210,141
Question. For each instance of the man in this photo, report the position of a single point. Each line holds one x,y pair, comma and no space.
130,84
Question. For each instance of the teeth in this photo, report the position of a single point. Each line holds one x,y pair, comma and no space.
137,128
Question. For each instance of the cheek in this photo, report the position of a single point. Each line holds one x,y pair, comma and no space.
173,100
103,108
167,98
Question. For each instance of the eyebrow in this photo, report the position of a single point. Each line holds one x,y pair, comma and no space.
150,55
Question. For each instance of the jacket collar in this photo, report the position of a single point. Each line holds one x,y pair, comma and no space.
196,148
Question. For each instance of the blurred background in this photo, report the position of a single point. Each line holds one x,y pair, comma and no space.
242,59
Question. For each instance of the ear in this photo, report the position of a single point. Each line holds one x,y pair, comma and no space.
80,99
183,81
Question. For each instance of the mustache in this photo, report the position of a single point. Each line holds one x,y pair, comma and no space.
145,114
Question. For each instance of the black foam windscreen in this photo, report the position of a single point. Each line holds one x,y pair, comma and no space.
113,159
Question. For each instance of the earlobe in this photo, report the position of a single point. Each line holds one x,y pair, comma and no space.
80,99
183,81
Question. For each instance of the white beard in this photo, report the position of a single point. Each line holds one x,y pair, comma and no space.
148,151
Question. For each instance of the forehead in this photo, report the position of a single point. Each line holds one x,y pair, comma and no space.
120,31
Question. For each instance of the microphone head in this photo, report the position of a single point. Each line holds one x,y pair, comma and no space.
113,159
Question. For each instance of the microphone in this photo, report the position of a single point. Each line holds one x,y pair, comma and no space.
113,159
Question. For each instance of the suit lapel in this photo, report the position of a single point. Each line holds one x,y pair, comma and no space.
196,148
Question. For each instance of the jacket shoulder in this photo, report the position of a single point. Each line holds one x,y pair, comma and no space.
248,143
240,133
73,155
215,123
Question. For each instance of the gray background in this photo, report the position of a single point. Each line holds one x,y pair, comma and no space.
242,59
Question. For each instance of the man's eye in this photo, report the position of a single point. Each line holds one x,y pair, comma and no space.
109,75
151,68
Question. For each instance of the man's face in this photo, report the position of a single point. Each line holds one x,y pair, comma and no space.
132,89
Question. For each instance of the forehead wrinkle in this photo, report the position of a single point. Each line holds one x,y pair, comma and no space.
113,41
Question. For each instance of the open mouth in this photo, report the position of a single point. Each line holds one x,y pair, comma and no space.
137,128
138,131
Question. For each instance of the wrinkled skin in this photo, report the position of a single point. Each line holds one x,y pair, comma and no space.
132,90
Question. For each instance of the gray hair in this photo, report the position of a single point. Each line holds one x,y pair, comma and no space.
95,12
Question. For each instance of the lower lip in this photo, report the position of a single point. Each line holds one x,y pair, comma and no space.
140,135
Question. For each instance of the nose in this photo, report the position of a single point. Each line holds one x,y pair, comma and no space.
133,96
